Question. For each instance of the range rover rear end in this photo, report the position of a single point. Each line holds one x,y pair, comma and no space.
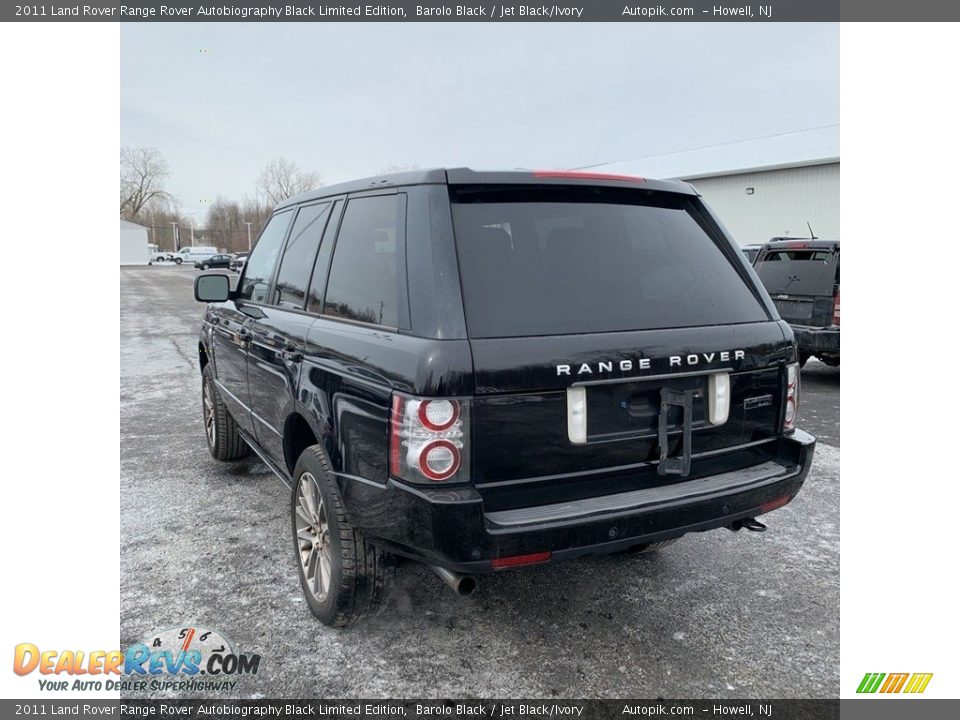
631,380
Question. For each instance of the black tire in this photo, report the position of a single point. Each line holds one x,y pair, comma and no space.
802,359
645,548
204,267
359,572
159,259
178,261
220,429
831,361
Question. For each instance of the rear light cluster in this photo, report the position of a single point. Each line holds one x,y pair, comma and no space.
792,398
429,439
836,308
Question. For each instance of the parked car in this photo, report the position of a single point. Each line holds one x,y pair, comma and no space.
194,254
214,261
239,260
803,278
483,371
750,252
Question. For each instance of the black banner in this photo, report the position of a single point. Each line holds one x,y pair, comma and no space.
483,11
534,709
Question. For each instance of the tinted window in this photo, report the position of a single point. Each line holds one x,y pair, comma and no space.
259,267
363,276
796,255
298,257
553,262
318,281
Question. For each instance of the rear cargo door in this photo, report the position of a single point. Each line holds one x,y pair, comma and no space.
631,296
801,283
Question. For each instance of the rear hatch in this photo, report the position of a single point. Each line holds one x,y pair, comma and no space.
632,295
802,279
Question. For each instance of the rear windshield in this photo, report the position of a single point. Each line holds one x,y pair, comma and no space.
555,261
796,256
810,271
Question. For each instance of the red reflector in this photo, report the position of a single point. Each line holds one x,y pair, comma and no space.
796,245
774,504
516,560
573,175
396,423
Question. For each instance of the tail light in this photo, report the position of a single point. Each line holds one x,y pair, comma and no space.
836,308
429,439
792,397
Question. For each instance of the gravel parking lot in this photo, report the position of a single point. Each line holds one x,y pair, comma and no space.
720,614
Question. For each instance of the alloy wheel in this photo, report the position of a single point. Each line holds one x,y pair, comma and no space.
313,537
209,415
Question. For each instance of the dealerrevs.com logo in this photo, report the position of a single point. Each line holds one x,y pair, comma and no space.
180,659
911,683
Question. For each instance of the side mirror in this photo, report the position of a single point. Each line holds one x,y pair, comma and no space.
211,288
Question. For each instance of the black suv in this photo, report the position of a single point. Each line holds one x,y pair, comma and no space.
803,278
482,371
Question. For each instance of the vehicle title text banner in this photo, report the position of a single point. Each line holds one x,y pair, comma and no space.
485,11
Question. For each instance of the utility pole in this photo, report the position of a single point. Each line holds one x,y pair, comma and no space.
249,238
191,235
176,245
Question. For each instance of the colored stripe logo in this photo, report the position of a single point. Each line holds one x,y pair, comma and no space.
913,683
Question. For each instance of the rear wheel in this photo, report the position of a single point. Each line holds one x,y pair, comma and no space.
344,577
223,438
204,267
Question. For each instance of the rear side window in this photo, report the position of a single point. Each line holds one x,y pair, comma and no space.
259,268
298,257
363,283
564,261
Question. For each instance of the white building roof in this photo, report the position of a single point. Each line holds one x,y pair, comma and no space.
815,146
128,224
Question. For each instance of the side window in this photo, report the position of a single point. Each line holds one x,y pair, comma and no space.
363,282
318,281
298,257
263,259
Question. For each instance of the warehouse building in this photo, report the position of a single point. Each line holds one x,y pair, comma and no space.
134,244
762,188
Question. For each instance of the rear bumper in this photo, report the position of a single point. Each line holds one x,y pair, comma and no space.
449,527
817,341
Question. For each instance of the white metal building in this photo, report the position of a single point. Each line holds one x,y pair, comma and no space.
760,188
133,244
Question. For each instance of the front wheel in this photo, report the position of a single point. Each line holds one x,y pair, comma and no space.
178,261
223,439
344,577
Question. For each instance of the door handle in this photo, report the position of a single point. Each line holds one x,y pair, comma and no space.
291,353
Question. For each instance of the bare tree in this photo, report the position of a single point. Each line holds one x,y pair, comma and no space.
143,172
158,217
282,179
397,168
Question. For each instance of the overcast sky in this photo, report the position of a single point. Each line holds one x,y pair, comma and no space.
221,100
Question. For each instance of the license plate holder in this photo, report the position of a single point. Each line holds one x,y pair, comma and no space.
676,464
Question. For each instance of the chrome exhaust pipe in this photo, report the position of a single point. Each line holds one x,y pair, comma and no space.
461,584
